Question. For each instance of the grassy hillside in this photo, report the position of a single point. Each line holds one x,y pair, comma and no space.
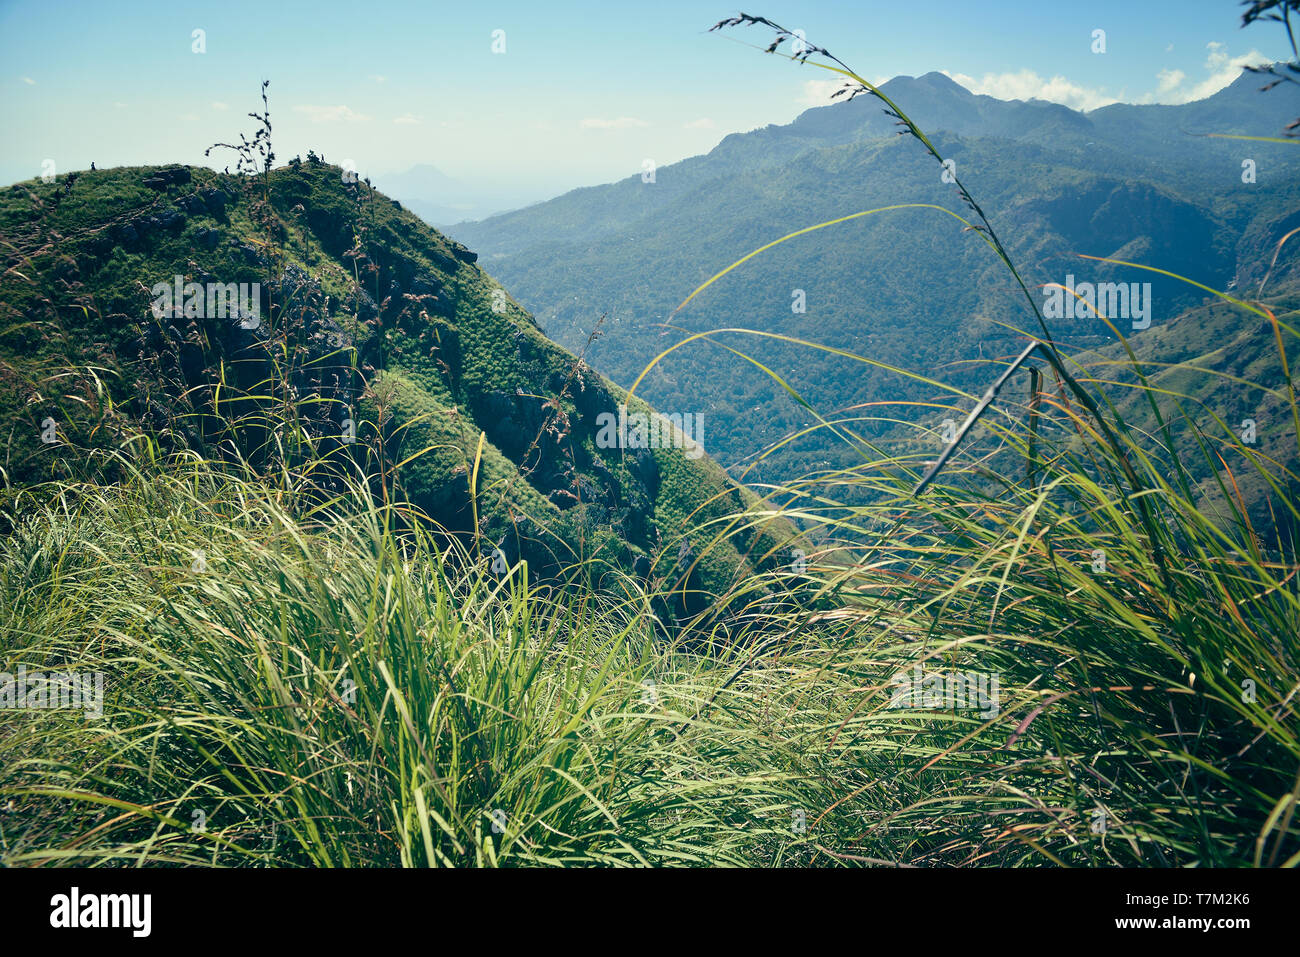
457,404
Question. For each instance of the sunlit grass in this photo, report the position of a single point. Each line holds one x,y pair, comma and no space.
295,678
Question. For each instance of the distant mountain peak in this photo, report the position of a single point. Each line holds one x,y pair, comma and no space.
942,81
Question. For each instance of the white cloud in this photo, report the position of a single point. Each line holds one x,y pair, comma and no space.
218,105
1028,85
622,123
1223,70
118,104
407,119
331,114
377,78
29,81
1172,86
818,92
1169,80
703,123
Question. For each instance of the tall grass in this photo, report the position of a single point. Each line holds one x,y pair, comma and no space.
300,681
320,692
320,689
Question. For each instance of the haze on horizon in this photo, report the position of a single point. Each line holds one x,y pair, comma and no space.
514,105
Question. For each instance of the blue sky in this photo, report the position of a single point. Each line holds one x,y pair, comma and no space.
584,92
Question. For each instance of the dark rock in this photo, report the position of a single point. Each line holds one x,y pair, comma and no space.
422,286
588,491
444,262
192,204
215,200
685,555
207,238
641,463
174,176
169,219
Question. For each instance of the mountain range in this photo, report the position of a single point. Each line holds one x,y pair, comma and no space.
907,289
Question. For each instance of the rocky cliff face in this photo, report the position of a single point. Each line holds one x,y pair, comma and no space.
300,317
